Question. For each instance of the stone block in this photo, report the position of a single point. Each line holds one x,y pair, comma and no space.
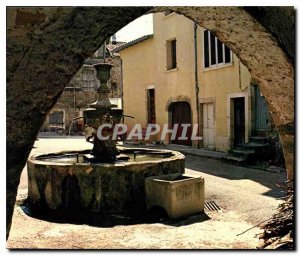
179,194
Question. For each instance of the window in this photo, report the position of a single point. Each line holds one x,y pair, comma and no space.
88,86
88,75
171,54
56,118
114,88
215,52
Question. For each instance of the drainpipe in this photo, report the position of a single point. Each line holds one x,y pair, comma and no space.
240,80
196,80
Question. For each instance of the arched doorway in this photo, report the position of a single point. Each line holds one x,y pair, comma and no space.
180,114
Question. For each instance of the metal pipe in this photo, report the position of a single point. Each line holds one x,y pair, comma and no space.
196,80
128,116
121,88
78,118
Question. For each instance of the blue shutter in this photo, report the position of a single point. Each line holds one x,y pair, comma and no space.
262,117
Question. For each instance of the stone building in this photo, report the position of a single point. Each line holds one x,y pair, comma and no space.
81,91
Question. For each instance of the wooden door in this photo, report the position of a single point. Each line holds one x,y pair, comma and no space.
208,126
181,114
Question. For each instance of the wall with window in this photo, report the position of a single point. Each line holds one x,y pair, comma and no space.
56,118
154,62
221,74
82,91
175,81
139,72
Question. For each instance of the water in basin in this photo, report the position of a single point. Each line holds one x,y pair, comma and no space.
83,158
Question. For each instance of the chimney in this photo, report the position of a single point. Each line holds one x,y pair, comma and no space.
114,39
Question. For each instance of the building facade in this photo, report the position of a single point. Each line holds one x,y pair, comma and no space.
82,91
184,74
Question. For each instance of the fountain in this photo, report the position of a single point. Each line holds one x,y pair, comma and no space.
106,179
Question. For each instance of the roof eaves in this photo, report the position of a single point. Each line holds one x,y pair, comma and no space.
131,43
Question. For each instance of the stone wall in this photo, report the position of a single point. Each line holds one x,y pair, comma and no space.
280,22
82,91
116,77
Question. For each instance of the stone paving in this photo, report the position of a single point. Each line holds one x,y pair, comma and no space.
246,196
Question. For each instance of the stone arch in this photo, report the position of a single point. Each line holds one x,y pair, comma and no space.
180,98
46,46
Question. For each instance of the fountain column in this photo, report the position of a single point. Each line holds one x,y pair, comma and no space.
99,113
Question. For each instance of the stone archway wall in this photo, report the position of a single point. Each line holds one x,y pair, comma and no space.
46,46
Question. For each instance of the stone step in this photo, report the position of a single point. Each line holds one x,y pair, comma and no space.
254,146
262,151
241,153
233,159
258,139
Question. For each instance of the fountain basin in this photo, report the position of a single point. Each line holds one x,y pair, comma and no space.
180,195
67,181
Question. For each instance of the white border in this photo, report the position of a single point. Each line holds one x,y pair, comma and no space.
5,3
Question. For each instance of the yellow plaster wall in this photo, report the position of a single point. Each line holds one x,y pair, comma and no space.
144,64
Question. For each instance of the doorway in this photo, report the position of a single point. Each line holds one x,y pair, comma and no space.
181,114
151,106
208,126
238,121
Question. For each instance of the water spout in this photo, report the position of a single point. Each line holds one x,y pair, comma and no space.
72,124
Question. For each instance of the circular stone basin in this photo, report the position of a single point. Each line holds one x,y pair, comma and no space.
69,181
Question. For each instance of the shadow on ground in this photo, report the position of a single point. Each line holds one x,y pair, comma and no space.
106,220
233,172
223,169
